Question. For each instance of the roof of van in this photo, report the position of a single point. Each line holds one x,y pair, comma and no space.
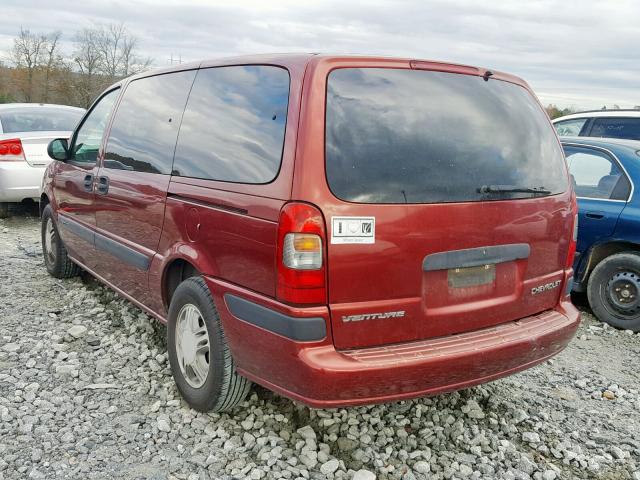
302,59
600,113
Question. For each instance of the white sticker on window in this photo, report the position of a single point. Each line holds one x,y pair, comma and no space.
353,230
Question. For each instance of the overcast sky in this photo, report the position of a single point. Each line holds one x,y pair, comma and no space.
575,53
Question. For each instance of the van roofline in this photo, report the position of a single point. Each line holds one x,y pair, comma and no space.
302,59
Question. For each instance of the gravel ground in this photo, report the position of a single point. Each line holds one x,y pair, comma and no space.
86,393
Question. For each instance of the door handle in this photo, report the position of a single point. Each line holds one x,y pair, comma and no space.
595,215
102,186
88,182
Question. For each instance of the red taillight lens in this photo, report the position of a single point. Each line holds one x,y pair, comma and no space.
571,254
11,150
301,261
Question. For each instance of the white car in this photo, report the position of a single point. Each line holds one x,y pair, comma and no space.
600,123
25,132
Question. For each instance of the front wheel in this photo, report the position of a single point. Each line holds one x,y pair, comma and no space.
4,209
199,356
55,254
614,291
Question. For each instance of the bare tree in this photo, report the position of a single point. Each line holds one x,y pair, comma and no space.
53,60
117,48
131,62
27,57
39,69
110,39
87,58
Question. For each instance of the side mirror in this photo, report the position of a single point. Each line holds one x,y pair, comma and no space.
58,149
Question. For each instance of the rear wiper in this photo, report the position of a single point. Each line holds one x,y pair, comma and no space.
512,189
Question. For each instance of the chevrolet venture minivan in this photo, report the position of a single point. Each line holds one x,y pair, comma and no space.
341,230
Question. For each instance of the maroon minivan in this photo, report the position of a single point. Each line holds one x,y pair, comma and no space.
341,230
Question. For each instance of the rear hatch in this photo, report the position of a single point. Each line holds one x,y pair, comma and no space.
452,206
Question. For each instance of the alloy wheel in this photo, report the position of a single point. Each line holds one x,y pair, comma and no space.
192,345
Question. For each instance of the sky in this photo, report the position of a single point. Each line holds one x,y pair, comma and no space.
579,54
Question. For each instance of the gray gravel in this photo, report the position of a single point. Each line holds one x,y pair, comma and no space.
86,393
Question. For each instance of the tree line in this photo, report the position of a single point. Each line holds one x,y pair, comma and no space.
38,69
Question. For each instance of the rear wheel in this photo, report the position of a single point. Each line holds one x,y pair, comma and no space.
614,291
4,209
55,254
200,358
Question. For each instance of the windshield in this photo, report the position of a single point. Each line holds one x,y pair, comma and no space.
39,119
414,136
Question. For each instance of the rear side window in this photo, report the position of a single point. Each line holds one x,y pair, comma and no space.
40,119
414,136
596,175
570,127
145,127
234,124
616,128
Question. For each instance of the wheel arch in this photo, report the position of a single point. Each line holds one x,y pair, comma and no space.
600,251
176,271
44,201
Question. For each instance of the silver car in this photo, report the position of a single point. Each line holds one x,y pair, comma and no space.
25,131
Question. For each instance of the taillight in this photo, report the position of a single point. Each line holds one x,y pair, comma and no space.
301,259
571,254
11,150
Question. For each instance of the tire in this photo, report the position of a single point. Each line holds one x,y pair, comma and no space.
205,375
614,291
54,252
4,209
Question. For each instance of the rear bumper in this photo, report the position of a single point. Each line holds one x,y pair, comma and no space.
19,181
315,373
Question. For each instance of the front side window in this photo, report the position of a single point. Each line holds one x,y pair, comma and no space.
616,128
234,124
145,127
40,119
89,137
416,136
570,128
596,175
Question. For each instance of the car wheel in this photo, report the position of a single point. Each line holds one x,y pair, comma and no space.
199,355
55,254
614,291
4,209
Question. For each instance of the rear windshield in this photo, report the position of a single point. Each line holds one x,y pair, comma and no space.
415,136
39,119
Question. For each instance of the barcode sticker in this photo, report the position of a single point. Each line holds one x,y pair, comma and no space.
353,230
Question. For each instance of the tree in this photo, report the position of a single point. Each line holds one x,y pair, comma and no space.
53,60
87,58
117,50
103,54
27,56
555,112
39,70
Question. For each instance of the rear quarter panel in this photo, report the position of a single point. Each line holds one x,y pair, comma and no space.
228,231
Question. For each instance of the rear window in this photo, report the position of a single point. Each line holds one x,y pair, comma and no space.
40,119
413,136
616,128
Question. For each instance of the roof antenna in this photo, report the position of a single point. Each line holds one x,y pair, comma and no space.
486,75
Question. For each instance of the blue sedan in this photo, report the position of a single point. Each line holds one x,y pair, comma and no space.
607,266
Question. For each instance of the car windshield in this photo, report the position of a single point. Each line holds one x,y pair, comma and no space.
415,136
39,119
